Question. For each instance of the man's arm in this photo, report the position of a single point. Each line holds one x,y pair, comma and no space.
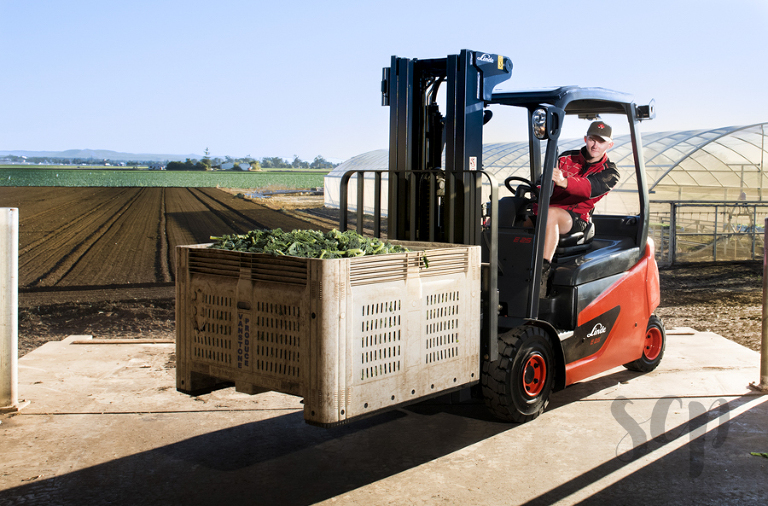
603,181
575,189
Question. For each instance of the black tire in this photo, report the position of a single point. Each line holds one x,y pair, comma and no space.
516,387
653,348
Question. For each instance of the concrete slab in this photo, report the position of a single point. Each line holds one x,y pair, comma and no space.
105,425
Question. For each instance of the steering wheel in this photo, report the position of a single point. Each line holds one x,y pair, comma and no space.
521,189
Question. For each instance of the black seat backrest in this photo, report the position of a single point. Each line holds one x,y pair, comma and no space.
511,211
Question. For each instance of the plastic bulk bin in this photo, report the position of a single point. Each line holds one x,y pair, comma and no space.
351,336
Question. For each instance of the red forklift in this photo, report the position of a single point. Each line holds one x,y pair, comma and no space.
604,282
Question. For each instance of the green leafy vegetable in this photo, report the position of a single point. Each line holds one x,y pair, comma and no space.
306,243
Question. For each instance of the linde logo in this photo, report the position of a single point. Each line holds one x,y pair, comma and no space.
486,58
597,330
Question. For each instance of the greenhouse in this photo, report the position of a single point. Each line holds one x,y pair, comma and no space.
688,172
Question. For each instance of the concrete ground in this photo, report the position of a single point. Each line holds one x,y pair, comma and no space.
105,425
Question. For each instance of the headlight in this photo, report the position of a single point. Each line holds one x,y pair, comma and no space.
539,123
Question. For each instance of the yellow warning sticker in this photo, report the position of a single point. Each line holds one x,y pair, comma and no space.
500,62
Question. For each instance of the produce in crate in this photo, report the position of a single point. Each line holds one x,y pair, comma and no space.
306,243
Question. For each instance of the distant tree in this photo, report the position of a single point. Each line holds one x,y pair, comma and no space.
321,163
298,163
187,165
176,166
274,162
206,161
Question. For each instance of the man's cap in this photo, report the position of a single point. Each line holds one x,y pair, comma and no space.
600,129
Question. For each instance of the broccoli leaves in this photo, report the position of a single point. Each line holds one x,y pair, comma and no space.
306,243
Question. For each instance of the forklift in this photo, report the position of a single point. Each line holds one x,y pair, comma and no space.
604,282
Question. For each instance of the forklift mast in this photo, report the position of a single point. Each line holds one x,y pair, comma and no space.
446,205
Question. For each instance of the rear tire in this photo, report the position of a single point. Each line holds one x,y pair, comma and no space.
653,347
516,387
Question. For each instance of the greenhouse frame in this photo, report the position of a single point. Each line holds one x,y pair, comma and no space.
709,187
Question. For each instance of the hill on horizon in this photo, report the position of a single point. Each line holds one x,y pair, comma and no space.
99,154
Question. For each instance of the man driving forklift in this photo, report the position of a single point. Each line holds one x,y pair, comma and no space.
582,177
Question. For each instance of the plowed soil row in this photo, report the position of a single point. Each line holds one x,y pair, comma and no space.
101,261
102,238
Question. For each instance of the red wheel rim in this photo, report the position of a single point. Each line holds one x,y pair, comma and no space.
653,342
534,374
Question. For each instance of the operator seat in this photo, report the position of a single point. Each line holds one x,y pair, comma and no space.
512,211
575,243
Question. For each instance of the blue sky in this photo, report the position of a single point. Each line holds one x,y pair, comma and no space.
268,78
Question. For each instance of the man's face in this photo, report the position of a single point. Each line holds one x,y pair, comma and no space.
596,146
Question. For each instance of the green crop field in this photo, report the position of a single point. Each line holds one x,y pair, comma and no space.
53,176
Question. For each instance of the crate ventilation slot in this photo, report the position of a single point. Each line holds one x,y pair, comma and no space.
444,262
381,269
263,267
278,339
442,326
213,339
380,339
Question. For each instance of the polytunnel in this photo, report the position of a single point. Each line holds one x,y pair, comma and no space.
707,187
718,165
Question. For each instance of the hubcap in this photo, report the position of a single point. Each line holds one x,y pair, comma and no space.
653,342
534,374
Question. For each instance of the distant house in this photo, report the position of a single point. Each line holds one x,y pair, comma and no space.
156,166
244,166
227,166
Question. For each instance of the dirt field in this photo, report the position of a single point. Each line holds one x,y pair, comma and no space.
100,261
724,298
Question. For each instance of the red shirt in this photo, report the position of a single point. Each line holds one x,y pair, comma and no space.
587,183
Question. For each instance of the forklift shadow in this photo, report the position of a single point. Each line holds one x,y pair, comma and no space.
475,409
280,460
584,389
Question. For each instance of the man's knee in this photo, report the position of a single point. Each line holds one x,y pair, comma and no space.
561,218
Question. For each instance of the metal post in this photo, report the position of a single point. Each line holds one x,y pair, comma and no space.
714,239
361,203
754,230
764,346
672,232
9,306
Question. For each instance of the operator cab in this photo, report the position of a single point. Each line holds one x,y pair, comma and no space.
586,263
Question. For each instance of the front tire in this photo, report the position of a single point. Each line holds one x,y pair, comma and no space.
653,347
516,387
